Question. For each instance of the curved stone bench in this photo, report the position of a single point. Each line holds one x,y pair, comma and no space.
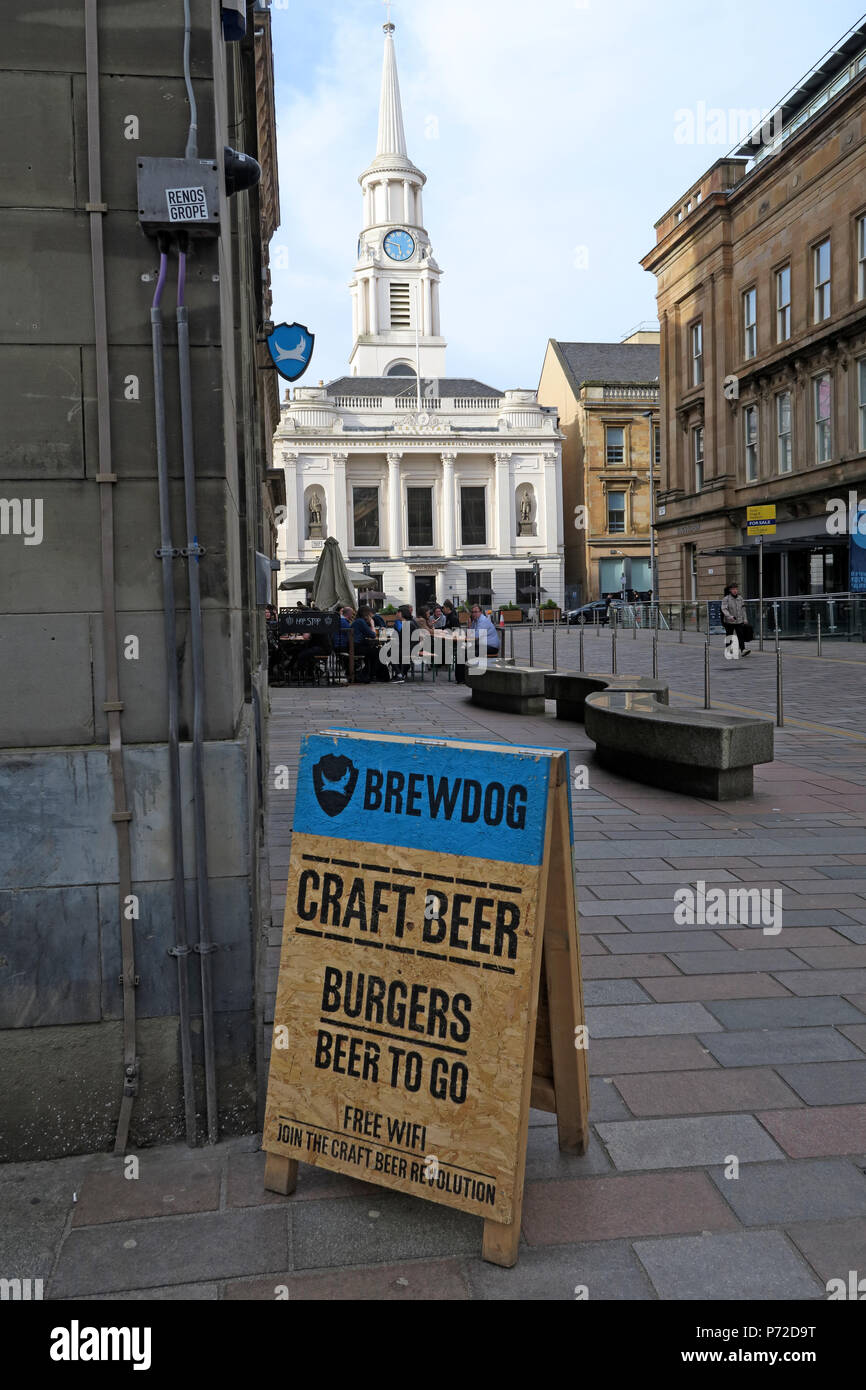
514,689
698,752
570,688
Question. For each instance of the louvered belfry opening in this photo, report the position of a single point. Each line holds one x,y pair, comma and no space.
401,312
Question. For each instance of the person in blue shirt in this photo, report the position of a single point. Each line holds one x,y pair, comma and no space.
367,647
341,637
486,635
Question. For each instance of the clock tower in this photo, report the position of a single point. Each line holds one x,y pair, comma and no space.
395,290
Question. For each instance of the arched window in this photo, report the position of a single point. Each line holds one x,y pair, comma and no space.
400,369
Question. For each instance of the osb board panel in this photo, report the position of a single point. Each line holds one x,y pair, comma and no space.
405,1034
543,1063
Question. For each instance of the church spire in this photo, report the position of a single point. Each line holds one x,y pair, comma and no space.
392,136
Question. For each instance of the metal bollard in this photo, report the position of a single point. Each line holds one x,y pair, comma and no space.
634,624
819,634
532,625
581,647
780,709
682,621
554,646
655,653
613,649
707,674
511,635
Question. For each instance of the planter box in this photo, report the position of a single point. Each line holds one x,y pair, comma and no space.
550,615
511,615
464,619
390,618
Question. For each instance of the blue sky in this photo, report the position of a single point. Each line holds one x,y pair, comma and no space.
551,135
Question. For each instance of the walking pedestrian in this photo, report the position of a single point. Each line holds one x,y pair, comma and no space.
734,621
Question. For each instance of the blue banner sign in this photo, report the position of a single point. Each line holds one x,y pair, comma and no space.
483,801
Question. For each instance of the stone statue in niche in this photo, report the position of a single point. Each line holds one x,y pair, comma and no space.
525,526
315,512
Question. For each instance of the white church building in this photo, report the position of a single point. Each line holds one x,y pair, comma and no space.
439,487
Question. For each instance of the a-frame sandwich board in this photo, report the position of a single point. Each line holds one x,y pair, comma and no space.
429,989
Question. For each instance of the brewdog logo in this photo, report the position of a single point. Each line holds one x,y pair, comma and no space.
482,800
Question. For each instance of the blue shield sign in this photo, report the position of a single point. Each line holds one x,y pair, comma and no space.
291,349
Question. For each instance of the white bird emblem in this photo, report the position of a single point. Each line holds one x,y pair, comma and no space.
295,354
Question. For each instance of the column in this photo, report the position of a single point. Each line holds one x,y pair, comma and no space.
368,206
428,306
504,530
355,331
340,527
301,512
372,287
448,461
437,329
419,210
288,542
407,189
395,510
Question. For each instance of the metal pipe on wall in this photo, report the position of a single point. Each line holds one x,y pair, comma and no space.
193,553
168,553
112,704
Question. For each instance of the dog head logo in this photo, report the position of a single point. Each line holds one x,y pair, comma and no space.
334,779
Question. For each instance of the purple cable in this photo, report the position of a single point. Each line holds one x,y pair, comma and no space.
181,277
160,284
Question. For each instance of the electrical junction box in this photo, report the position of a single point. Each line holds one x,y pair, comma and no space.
179,195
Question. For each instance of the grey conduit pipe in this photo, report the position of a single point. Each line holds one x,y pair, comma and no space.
167,554
193,553
112,704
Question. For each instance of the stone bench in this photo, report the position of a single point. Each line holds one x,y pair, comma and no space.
570,688
704,753
501,686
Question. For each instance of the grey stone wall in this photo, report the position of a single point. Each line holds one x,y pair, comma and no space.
60,999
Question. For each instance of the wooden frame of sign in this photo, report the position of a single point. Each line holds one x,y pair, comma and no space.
427,999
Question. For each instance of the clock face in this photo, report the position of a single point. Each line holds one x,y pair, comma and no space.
399,246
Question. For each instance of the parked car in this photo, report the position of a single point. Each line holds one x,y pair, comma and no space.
587,614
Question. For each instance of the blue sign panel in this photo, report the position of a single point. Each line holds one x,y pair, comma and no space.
481,801
291,349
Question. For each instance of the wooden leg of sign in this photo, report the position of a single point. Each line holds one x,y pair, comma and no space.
500,1242
281,1174
564,991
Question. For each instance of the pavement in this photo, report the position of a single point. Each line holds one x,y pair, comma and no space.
728,1065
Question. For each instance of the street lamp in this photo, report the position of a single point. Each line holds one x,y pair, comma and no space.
649,417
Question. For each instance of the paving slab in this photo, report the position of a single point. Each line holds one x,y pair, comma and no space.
545,1161
845,982
772,1046
828,1083
646,1020
390,1227
833,1248
708,987
767,1194
171,1250
627,967
732,962
620,1056
791,1012
598,992
594,1272
818,1132
605,1102
625,1206
745,1265
704,1092
431,1281
632,943
167,1187
686,1142
856,1034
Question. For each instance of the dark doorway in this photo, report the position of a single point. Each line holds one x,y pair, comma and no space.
425,590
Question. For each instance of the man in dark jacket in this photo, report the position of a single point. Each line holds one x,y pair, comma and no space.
734,619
